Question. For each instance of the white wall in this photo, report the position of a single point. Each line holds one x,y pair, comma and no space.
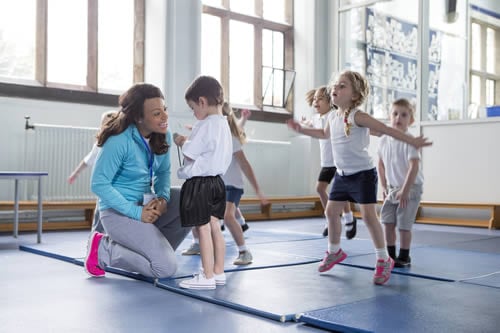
460,166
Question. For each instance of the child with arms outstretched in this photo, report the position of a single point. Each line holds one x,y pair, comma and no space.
320,99
356,177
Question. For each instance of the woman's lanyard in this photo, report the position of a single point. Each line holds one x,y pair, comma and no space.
150,158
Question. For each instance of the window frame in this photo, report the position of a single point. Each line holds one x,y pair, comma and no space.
482,73
262,113
39,88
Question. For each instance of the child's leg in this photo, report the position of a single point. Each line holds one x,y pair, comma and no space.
219,247
321,188
390,238
232,224
333,211
369,214
334,255
390,234
207,248
239,216
405,239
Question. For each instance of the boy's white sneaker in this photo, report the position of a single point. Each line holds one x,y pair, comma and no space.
199,282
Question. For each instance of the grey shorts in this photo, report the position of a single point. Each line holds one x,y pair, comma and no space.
402,217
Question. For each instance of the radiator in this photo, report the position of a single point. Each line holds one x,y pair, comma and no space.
58,150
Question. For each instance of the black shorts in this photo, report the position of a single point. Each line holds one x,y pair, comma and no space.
360,187
201,198
326,174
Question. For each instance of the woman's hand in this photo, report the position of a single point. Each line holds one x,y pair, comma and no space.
149,212
160,205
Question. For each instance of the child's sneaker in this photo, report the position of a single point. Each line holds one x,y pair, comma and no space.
199,282
244,227
383,270
244,258
351,233
331,259
192,250
220,279
91,263
402,262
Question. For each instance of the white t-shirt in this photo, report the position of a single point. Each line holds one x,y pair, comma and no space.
325,145
351,152
90,158
208,150
396,156
234,174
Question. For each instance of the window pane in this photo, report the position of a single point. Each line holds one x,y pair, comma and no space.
274,10
211,46
272,49
115,44
490,51
243,6
490,92
17,39
475,90
267,85
278,88
476,46
241,66
67,42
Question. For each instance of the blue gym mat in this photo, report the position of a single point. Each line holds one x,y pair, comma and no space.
315,248
73,251
443,307
488,280
439,263
281,293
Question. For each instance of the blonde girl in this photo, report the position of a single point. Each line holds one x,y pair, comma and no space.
356,178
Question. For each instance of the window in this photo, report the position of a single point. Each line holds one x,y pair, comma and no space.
78,47
248,46
484,64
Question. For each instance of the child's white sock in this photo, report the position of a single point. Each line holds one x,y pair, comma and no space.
347,217
242,248
382,253
333,248
241,220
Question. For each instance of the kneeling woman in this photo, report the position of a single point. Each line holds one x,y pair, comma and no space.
131,177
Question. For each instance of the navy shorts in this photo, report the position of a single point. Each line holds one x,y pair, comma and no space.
326,174
233,194
201,198
360,187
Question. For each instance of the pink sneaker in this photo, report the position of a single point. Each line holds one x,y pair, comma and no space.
383,270
331,260
91,263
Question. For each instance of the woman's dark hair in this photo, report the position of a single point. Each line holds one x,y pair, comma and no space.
131,111
205,86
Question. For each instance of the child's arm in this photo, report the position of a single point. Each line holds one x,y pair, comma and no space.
248,172
245,114
381,176
411,175
76,172
365,120
318,133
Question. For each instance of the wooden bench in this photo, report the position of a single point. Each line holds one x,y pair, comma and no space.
492,221
87,206
278,208
282,208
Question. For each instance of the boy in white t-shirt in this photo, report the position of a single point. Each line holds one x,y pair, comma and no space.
207,154
401,179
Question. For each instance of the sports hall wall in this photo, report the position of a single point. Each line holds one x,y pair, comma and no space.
460,167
